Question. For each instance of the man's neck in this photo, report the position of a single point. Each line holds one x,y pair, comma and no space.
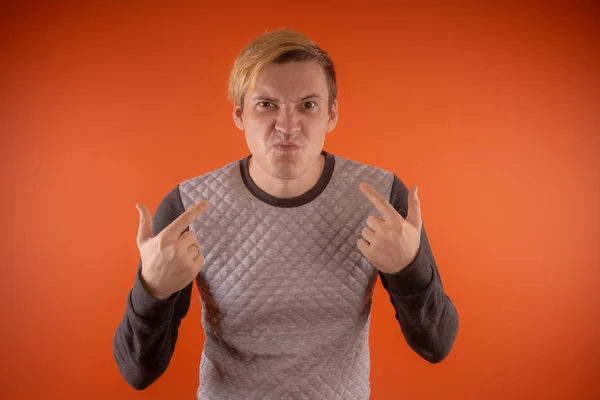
282,188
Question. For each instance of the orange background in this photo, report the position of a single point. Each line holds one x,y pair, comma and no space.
494,111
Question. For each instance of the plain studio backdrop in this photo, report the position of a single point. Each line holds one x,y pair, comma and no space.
494,111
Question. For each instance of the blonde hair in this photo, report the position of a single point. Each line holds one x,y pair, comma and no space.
279,46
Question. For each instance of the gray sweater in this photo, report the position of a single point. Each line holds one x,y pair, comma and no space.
286,295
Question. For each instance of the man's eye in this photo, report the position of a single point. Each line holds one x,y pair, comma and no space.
265,104
310,104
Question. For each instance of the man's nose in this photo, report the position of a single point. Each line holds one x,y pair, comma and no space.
288,121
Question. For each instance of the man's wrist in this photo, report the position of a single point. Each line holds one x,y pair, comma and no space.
413,278
146,305
152,291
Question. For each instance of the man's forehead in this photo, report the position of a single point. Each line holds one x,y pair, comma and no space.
290,85
293,79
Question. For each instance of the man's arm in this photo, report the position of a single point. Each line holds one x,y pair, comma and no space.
145,339
427,316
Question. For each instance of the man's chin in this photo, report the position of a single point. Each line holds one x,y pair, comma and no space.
285,163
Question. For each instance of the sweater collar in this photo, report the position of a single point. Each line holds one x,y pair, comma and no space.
297,201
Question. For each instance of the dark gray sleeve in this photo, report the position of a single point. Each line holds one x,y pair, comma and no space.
427,316
145,339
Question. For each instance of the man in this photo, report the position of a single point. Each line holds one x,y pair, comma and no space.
285,247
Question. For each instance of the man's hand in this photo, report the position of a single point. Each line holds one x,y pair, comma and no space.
392,243
170,260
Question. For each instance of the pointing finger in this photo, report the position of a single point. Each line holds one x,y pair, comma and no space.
387,211
414,208
145,227
174,230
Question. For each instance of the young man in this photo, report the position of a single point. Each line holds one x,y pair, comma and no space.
285,247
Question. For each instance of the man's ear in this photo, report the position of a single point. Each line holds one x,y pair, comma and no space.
238,116
333,116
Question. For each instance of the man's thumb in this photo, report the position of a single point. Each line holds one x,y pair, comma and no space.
145,228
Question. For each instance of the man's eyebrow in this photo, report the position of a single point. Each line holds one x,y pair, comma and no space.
264,97
310,96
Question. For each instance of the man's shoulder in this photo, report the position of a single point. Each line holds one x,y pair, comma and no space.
213,185
346,163
176,200
382,179
225,170
377,176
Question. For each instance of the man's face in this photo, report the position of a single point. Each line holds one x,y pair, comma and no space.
289,104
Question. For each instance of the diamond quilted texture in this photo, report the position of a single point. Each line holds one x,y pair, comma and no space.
293,290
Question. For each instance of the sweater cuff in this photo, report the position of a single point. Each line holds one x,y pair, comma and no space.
147,306
413,278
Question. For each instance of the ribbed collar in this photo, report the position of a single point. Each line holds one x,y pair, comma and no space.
297,201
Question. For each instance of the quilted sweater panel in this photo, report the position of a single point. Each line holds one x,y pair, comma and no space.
291,290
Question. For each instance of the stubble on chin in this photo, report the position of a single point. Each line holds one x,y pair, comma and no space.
282,166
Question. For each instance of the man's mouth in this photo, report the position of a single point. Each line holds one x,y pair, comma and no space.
286,146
